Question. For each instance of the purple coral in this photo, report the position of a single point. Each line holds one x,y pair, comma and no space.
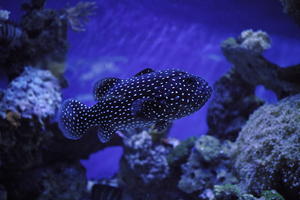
35,93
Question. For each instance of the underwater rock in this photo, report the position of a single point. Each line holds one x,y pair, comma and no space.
34,94
267,155
181,152
245,52
292,7
231,104
60,148
59,181
46,41
21,147
28,104
148,162
28,138
145,172
230,192
207,165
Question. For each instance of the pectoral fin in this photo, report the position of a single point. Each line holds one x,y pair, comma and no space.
105,134
148,109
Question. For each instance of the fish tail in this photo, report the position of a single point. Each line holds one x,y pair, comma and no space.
73,119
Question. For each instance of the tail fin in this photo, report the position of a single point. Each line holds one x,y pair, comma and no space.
72,119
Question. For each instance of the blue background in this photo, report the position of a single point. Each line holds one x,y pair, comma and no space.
125,36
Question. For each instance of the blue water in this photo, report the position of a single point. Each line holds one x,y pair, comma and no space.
126,36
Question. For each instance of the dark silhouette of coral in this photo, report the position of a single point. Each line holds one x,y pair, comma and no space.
232,102
245,52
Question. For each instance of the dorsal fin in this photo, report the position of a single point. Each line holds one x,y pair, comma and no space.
144,71
103,86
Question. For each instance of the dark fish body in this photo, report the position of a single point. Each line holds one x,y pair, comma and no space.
148,98
9,32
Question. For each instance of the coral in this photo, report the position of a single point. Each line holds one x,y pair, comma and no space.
49,183
256,42
35,94
232,103
26,107
41,41
271,195
4,15
180,153
229,192
46,41
292,7
148,162
268,149
245,53
79,15
207,165
145,172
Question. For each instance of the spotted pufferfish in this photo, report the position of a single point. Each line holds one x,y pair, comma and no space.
148,98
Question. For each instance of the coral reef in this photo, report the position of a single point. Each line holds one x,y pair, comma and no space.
29,102
292,7
229,192
46,41
207,165
32,148
231,104
34,94
181,152
42,37
143,160
147,161
145,172
268,149
245,53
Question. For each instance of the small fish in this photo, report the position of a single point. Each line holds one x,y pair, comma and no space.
149,98
9,32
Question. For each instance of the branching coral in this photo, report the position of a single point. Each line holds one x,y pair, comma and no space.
79,15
